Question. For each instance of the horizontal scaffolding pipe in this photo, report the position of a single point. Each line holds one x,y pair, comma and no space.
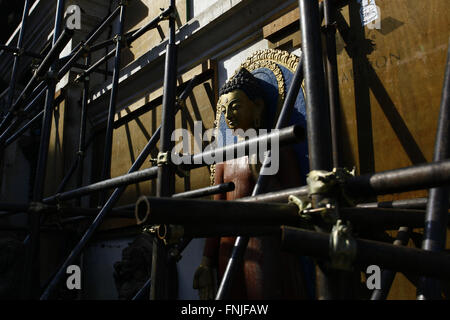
417,177
290,135
216,189
385,218
171,233
285,136
386,256
127,179
208,191
278,196
154,210
418,203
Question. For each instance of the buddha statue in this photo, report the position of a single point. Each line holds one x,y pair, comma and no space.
267,273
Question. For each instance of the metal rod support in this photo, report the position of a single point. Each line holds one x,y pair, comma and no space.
166,174
417,177
208,191
32,279
106,169
154,210
332,78
12,82
59,45
387,256
436,219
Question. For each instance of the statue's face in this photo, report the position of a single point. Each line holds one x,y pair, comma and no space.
240,111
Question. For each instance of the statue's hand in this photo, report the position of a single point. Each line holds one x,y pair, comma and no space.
204,280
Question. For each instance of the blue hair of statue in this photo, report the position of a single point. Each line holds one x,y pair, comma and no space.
245,81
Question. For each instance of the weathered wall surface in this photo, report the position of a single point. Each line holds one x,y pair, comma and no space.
391,89
390,83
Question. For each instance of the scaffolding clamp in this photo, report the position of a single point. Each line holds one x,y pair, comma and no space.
324,182
79,77
19,53
170,234
168,15
37,207
85,47
150,230
303,205
343,247
181,103
123,40
163,158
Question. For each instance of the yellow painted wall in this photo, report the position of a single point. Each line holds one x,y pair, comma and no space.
399,72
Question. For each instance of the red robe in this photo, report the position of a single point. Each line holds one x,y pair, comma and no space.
267,273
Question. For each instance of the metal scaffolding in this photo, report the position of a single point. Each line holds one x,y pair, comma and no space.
310,233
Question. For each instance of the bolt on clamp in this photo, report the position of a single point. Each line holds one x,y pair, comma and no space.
37,207
343,247
163,158
302,205
20,52
150,230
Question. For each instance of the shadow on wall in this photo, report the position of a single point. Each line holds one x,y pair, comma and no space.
136,11
366,80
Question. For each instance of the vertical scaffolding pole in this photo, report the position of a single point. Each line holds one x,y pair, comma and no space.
317,113
106,170
166,173
82,139
32,279
12,83
438,199
332,77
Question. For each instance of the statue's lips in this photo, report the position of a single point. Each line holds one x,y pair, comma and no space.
231,123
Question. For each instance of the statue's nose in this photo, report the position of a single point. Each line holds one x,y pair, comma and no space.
228,114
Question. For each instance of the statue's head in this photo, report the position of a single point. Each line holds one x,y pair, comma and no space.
242,102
